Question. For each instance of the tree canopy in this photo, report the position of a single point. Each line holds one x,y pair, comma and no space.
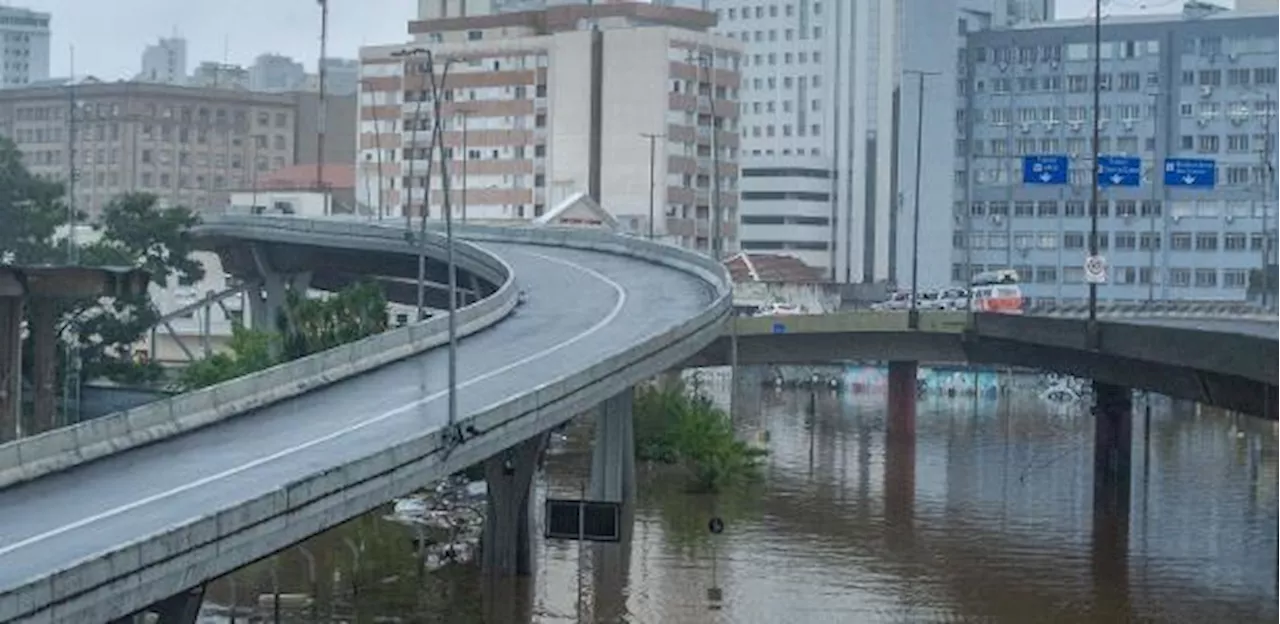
134,230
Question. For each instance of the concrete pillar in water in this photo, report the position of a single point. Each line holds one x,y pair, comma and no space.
1112,446
1112,464
10,367
265,304
902,400
613,457
508,526
43,324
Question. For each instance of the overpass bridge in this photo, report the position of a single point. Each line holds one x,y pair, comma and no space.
133,510
108,517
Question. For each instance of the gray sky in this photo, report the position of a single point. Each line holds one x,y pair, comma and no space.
109,35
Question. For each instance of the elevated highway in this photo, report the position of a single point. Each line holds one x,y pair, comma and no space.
98,540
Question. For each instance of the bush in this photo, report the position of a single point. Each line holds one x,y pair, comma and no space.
675,425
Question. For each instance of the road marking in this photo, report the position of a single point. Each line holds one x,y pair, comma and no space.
609,318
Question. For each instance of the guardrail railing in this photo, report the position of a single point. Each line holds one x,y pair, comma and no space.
59,449
1159,309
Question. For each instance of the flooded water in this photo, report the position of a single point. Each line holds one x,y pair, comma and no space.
988,519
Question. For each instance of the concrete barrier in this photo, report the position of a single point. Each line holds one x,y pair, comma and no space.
150,569
63,448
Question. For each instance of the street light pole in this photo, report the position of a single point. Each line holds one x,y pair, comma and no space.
913,316
1151,209
652,137
436,88
466,160
1097,131
1268,179
320,108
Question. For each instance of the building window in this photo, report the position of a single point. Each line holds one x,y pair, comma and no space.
1206,241
1180,241
1235,278
1234,241
1179,277
1073,240
1206,278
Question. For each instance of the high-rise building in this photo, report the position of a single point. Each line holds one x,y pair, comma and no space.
829,127
165,62
186,145
25,37
211,75
1200,85
554,102
276,73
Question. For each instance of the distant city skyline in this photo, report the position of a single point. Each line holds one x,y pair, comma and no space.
109,37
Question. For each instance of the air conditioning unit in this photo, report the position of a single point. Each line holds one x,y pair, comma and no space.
997,219
1233,56
1202,121
1206,91
1237,120
1128,124
1076,125
1026,127
1050,125
1230,219
1028,68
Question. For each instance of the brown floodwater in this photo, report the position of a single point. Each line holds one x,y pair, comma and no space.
990,521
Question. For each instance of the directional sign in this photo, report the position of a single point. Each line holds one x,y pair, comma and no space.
1095,270
1190,172
779,328
583,520
1044,169
1119,171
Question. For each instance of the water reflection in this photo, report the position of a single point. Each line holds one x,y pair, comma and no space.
987,516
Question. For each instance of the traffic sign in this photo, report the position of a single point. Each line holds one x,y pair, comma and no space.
1095,270
583,520
1190,172
1119,171
779,328
1045,169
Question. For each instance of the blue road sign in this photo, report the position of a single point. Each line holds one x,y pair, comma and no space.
1119,171
1044,169
779,328
1190,172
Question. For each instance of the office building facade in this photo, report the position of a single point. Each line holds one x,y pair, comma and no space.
1199,86
555,102
186,145
24,37
829,126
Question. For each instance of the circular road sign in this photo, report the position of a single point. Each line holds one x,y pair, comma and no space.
1095,269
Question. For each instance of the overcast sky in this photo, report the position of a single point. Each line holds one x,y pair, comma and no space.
109,35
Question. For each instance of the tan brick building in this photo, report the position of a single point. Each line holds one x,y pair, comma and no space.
187,145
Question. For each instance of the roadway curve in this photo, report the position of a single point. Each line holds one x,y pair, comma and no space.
581,307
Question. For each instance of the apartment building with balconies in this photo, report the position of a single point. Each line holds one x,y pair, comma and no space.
540,105
1195,85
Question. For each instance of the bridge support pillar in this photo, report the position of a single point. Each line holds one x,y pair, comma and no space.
613,457
1112,457
42,320
507,549
10,368
265,304
1112,448
901,423
182,608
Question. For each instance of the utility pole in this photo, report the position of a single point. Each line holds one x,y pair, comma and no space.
1097,131
1151,209
320,109
913,316
71,372
652,137
466,159
1268,179
436,101
707,61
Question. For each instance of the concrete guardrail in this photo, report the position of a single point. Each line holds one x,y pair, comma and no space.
60,449
1159,310
219,543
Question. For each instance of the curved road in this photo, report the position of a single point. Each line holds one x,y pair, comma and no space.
580,308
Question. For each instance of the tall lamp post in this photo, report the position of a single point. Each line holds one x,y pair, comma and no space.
320,108
913,315
653,138
445,156
1097,131
1156,133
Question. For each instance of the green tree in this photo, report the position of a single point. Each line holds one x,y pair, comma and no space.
249,351
136,232
31,209
677,425
314,325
